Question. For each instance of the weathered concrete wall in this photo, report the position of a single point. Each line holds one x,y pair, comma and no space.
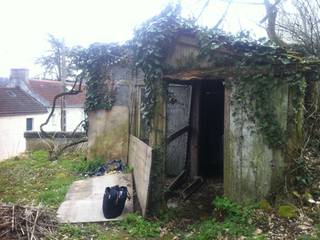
36,141
108,133
140,157
252,170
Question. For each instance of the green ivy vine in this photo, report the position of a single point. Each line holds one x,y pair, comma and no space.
261,67
94,64
152,43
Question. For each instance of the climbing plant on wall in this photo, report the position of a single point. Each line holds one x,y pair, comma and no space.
261,67
94,64
151,44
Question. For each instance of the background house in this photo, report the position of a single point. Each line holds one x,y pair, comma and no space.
45,91
19,112
25,105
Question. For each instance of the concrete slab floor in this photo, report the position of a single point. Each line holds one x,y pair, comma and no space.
83,201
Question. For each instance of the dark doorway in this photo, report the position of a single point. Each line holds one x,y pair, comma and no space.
211,126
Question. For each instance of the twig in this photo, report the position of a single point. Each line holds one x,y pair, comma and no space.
3,234
34,225
71,92
203,8
12,220
223,15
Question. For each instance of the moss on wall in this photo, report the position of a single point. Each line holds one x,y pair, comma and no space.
108,134
253,170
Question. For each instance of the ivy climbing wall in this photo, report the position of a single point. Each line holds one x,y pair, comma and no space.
253,170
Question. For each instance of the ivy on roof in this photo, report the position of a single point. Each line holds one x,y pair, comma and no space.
261,67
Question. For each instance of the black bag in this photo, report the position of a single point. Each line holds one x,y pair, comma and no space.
114,200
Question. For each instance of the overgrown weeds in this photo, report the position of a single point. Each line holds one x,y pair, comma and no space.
137,226
229,219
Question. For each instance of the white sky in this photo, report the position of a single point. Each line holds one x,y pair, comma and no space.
25,24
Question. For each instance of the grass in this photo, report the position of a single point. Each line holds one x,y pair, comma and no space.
230,220
88,231
32,179
137,226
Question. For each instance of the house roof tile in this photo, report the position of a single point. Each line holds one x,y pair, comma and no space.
14,101
48,89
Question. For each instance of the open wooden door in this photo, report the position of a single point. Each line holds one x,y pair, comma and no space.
178,127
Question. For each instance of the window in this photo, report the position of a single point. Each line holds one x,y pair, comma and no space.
29,124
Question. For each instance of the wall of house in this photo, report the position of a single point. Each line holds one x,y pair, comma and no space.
251,169
12,128
74,116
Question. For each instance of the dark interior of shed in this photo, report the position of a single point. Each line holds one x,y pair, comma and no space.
205,147
211,128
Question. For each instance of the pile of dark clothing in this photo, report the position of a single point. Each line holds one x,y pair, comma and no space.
110,166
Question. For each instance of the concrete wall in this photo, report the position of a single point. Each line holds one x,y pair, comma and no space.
251,169
108,133
12,128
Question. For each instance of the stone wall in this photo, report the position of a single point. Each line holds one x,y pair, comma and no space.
37,141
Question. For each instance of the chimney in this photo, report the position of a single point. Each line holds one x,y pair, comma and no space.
19,77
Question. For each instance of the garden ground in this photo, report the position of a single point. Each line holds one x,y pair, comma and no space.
31,179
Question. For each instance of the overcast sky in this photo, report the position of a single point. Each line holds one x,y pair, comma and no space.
25,24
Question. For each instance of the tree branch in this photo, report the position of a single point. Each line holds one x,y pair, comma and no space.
223,15
271,25
71,92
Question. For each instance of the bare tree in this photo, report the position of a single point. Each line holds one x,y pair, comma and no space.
300,25
271,18
57,60
58,63
223,15
55,150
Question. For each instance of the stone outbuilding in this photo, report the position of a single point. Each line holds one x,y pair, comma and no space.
198,126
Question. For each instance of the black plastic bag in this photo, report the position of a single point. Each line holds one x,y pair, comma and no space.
114,200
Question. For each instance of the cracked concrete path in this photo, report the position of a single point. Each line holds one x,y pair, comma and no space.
83,201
